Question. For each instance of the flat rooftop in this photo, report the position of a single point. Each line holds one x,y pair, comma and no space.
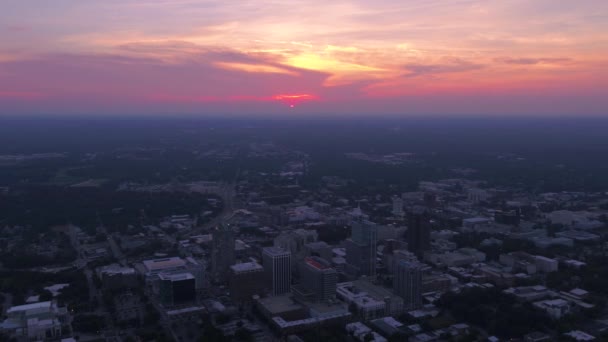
317,263
275,251
161,264
28,307
373,290
176,276
246,267
279,304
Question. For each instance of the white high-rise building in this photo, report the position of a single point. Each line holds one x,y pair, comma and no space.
277,265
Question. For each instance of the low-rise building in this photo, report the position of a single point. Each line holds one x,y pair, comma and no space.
35,321
129,307
115,276
578,335
371,301
556,308
529,293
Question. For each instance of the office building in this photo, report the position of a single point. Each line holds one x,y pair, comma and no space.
371,301
319,248
246,280
398,206
222,252
151,269
277,266
318,281
35,321
361,249
174,281
129,307
407,283
177,288
115,276
419,231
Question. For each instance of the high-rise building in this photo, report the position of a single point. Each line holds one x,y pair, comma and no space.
391,258
295,241
246,280
419,231
319,248
277,266
154,268
407,283
177,288
222,252
318,279
397,206
361,248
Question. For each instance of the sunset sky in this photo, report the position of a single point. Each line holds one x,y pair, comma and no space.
503,57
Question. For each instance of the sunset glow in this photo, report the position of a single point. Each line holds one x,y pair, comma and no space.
491,57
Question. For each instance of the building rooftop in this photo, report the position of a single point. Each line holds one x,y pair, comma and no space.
317,263
275,251
176,276
246,267
165,263
278,304
116,269
580,335
29,307
317,244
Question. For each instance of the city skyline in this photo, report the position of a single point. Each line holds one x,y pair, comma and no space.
304,57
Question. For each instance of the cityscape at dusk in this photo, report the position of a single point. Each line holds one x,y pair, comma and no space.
303,171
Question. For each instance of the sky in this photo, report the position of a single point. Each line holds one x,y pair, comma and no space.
299,57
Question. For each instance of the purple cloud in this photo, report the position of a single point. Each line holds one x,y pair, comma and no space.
533,61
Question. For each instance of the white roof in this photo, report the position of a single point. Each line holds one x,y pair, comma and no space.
580,335
161,264
27,307
578,292
392,322
176,276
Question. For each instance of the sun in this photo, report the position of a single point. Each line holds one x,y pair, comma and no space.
292,100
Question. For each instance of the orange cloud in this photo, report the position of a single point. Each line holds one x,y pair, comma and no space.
255,68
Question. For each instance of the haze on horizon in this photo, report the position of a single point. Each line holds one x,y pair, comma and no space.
508,57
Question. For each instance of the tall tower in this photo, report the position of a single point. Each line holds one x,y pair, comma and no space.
407,283
222,252
398,206
277,266
419,231
361,248
319,277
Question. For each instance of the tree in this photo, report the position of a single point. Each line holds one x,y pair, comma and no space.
243,335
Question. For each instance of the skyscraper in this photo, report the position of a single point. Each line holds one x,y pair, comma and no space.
319,278
407,283
246,280
222,252
361,248
277,266
418,231
177,288
398,206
